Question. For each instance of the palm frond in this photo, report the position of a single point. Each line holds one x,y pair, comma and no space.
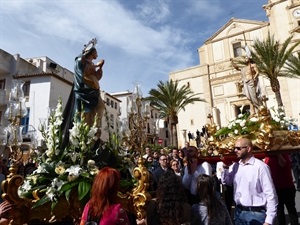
270,56
169,98
292,66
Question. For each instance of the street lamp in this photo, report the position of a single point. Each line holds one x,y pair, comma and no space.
134,131
11,137
15,111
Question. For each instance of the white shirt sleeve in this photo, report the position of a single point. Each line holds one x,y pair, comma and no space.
207,168
219,169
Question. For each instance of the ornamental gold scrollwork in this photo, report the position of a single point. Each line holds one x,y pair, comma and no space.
264,135
24,213
293,138
140,194
10,193
64,209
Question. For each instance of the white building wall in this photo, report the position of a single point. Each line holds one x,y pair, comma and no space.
44,94
194,116
111,116
123,106
58,90
39,101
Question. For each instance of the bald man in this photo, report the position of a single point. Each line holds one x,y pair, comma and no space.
254,193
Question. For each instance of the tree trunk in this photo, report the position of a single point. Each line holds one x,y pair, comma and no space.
170,132
174,122
275,85
175,136
279,99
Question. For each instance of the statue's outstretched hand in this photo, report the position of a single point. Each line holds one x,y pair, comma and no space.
100,63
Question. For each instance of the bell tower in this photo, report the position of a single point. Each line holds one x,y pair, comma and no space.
284,18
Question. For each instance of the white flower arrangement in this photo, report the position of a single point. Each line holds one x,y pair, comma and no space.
245,124
60,170
282,121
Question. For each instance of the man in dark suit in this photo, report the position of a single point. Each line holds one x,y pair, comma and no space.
163,167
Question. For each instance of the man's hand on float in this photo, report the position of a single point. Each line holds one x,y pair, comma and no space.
4,208
226,162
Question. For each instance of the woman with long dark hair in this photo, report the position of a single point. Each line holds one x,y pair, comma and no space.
103,207
210,210
169,207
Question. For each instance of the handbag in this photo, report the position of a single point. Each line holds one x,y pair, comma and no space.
92,220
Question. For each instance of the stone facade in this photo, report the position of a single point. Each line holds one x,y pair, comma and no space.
218,82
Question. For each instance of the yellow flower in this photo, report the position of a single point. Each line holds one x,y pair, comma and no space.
60,169
91,163
34,179
94,171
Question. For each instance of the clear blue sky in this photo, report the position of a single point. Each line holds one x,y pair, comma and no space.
141,40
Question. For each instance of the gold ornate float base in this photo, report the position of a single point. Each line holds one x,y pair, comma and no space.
23,213
69,211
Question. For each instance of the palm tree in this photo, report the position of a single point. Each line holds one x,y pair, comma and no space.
169,99
270,57
292,66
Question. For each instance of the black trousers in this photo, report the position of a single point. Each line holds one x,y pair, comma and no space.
286,197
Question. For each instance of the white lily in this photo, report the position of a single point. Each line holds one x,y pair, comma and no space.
51,193
74,170
26,186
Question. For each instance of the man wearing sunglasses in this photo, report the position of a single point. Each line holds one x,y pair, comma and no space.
254,193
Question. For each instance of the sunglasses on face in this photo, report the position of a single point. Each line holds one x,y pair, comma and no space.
239,148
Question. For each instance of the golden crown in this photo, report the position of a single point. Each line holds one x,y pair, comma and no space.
90,45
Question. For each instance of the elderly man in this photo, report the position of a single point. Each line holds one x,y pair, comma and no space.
254,192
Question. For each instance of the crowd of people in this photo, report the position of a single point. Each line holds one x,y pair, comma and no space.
247,190
186,190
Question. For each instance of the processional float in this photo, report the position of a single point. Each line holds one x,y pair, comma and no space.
34,201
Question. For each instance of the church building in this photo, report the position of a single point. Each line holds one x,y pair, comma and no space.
219,83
